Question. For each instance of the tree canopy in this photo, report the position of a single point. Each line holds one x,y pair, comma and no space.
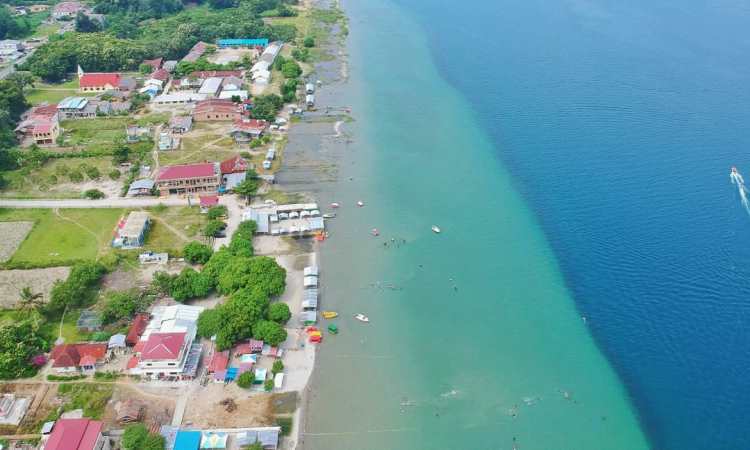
279,313
258,272
197,253
119,305
270,332
19,343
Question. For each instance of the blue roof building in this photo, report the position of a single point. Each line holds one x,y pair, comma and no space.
187,440
243,42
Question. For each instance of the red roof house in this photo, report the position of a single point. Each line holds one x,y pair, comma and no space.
216,109
216,73
208,201
73,356
99,81
161,346
160,74
75,434
137,328
244,130
219,361
238,164
154,63
186,171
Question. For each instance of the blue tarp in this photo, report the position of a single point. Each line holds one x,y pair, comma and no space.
243,42
231,374
187,440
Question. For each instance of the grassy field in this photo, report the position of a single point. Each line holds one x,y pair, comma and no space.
59,237
67,235
206,142
104,132
53,93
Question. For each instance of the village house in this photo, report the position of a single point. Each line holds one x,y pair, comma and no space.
233,172
180,124
196,52
76,108
131,232
178,98
155,64
216,109
211,86
161,75
37,8
134,133
170,65
167,350
67,10
67,358
77,434
141,187
187,179
41,126
245,130
168,142
98,82
137,328
10,46
240,43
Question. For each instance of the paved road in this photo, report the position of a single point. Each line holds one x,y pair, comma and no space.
104,203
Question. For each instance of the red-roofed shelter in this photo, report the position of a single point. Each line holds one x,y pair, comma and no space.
96,82
77,434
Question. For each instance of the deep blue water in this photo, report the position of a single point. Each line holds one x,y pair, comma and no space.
619,122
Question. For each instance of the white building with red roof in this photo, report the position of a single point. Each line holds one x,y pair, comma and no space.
233,171
167,348
41,126
215,109
245,130
188,179
98,81
77,434
67,9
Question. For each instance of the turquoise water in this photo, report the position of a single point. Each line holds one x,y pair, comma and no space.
474,339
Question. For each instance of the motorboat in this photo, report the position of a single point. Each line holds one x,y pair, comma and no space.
333,329
335,205
375,232
360,203
329,314
361,317
329,215
436,229
734,170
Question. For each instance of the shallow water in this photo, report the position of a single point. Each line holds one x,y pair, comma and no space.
475,340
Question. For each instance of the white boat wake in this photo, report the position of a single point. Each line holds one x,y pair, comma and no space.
737,180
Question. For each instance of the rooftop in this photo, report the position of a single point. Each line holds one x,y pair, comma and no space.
186,171
161,346
237,164
134,224
99,79
74,434
72,103
247,42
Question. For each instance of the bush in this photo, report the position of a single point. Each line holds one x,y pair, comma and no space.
114,174
279,313
197,253
259,272
209,322
270,332
246,379
278,366
309,42
119,305
92,172
213,227
189,284
93,194
75,176
65,378
217,211
286,425
268,385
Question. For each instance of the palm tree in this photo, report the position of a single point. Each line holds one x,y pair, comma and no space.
30,300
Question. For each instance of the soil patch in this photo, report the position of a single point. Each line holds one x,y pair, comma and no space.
204,408
39,280
13,235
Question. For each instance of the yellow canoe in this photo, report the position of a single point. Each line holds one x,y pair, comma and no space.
329,314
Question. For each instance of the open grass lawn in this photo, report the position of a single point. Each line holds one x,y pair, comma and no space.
52,180
91,397
92,134
45,29
172,228
206,142
53,93
63,236
68,235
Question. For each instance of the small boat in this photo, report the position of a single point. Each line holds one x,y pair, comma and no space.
436,229
734,170
335,205
360,203
329,215
375,232
333,329
329,314
361,317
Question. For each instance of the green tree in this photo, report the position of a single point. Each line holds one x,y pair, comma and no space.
189,284
134,437
238,316
217,211
212,228
154,442
270,332
197,253
278,366
162,282
120,153
114,174
84,24
279,312
19,342
29,300
209,322
268,385
247,188
309,42
93,194
290,69
246,379
259,272
218,261
120,305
